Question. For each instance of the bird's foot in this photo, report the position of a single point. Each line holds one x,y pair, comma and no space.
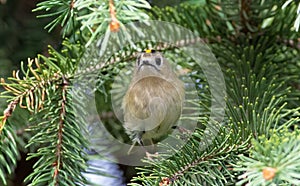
150,156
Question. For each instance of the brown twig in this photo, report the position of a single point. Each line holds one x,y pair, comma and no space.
114,24
58,163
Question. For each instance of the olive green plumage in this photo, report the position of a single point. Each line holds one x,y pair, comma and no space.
154,99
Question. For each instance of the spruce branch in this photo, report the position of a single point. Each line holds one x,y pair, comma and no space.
9,153
245,15
30,89
273,160
297,21
33,88
60,135
63,11
58,162
191,165
103,17
90,63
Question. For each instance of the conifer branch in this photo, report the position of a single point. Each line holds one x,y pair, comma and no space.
61,156
245,15
198,161
31,90
58,163
273,160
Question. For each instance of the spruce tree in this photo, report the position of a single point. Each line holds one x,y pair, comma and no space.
250,68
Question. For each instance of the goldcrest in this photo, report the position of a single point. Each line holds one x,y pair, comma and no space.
154,99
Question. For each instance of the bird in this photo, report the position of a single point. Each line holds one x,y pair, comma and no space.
154,99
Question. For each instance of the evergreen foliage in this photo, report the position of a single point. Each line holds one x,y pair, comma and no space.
273,160
257,47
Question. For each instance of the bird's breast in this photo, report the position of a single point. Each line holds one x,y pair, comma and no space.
152,104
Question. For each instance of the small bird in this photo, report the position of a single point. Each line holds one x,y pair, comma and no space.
154,99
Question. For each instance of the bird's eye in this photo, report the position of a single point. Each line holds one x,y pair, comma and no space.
138,61
158,61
